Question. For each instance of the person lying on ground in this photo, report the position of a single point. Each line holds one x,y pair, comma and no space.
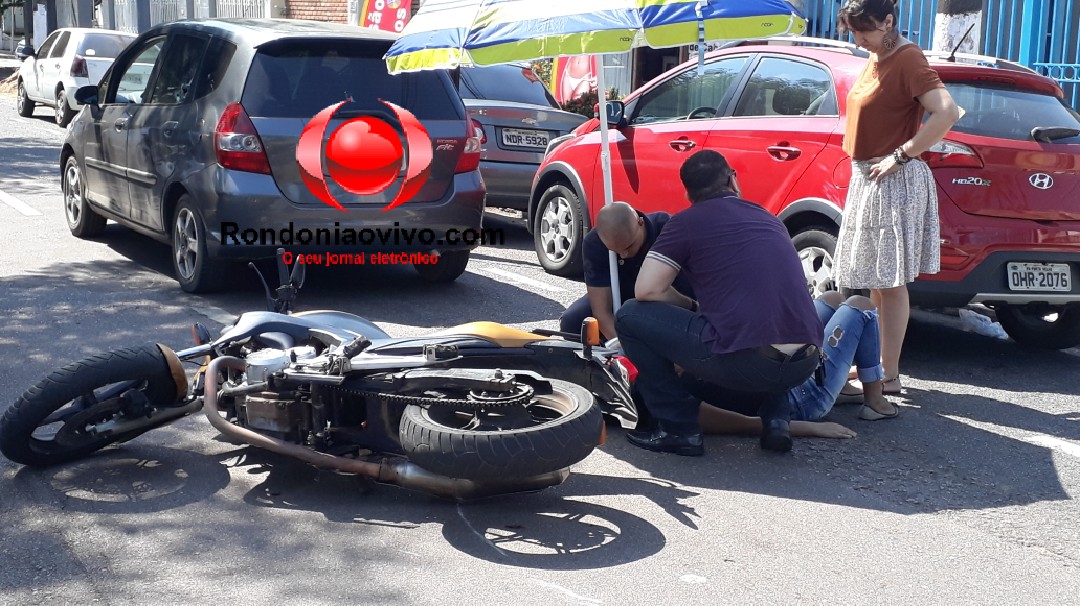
851,339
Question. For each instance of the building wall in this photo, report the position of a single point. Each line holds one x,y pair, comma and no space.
335,11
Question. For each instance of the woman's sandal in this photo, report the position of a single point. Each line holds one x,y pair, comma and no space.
869,414
849,395
899,389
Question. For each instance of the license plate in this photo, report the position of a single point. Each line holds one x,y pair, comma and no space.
519,137
1040,276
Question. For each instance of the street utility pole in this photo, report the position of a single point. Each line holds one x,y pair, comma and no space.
954,19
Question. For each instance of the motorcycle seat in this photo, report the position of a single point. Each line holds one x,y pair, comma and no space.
499,334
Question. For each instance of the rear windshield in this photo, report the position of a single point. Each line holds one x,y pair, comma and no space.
103,45
300,79
505,83
1007,113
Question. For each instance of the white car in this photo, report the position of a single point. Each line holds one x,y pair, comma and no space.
69,58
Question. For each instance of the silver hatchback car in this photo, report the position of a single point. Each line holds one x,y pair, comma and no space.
191,138
515,116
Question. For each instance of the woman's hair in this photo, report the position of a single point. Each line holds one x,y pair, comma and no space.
864,15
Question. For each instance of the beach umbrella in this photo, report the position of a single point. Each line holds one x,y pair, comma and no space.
446,34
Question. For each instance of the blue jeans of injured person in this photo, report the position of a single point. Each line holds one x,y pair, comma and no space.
851,339
657,336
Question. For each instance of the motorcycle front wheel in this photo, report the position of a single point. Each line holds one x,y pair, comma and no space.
88,405
551,432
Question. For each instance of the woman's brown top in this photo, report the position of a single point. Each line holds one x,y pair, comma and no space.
883,110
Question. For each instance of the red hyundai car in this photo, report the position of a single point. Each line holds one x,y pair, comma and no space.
1008,174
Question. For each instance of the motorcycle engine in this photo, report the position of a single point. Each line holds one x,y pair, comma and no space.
283,414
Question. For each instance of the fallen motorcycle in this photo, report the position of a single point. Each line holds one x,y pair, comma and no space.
471,411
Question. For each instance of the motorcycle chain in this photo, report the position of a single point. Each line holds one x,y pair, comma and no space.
521,399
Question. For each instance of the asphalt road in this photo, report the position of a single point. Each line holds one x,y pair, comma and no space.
968,497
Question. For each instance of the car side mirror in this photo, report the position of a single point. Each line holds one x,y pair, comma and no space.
25,52
86,95
615,111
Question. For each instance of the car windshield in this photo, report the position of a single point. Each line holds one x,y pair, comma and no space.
106,46
299,78
1005,112
515,83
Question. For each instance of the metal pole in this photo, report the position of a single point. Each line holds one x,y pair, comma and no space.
605,168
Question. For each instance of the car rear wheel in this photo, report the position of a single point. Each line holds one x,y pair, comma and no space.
447,269
559,231
64,113
195,270
1044,328
81,219
23,103
816,247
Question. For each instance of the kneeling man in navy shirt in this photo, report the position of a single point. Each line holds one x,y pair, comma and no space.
753,327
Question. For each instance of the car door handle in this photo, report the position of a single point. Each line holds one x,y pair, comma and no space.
169,128
120,124
682,144
784,152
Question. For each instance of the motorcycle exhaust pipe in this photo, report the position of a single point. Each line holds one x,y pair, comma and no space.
399,472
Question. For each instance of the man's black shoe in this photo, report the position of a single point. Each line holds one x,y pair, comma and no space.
658,440
776,435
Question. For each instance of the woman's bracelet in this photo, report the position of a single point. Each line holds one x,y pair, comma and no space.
900,157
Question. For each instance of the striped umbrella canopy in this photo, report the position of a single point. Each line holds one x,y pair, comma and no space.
447,33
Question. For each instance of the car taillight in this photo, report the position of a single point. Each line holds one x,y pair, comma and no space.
479,132
950,154
469,159
237,143
78,67
627,366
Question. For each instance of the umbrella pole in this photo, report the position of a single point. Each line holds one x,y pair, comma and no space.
605,169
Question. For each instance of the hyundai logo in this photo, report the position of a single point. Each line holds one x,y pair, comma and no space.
1041,181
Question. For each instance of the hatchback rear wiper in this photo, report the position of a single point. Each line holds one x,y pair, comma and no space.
1049,134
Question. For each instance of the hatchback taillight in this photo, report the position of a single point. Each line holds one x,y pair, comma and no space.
469,159
78,67
950,154
237,143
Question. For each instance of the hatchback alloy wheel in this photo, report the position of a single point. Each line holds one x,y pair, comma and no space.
23,103
186,244
559,231
82,221
816,248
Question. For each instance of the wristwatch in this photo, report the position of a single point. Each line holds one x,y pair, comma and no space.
694,307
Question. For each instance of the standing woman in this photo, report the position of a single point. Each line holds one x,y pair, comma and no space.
890,232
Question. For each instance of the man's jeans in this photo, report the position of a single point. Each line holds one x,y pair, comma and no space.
851,338
656,336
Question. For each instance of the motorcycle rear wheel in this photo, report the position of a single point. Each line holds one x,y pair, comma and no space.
54,421
553,432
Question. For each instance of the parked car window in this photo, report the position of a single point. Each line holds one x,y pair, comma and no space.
505,83
180,62
781,87
60,47
992,110
218,57
106,46
298,79
676,97
133,82
46,46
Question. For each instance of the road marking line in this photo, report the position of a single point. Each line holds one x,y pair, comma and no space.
1053,443
18,205
509,275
